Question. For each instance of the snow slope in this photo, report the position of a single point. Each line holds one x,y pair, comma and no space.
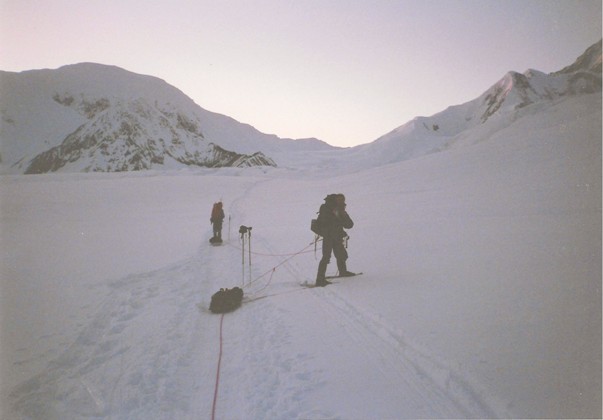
92,117
97,118
481,295
511,98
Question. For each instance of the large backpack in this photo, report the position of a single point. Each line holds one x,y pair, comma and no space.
316,227
216,214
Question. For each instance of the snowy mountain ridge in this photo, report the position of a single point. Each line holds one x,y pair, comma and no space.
92,117
135,136
508,100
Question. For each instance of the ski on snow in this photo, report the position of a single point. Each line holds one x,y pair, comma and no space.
309,285
343,277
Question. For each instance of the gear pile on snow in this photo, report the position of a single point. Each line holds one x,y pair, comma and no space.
226,300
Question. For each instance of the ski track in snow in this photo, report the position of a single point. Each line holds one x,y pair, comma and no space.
424,385
114,369
428,382
420,381
136,380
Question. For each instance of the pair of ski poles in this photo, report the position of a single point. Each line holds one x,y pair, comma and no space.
245,232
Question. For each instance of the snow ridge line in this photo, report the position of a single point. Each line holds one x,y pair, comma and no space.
466,396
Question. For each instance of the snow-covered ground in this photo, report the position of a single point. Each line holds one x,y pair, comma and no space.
481,292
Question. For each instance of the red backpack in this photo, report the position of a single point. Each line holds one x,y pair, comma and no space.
216,211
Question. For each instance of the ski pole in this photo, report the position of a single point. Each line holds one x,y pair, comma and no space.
244,231
249,236
243,259
249,248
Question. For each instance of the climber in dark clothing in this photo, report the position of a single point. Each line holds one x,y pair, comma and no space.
216,219
333,218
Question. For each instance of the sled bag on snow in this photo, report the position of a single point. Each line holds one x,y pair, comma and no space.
226,300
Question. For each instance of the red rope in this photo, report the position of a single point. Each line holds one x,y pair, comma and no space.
213,408
272,270
290,256
269,281
274,255
279,255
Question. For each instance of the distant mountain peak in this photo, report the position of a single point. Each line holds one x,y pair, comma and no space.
589,61
515,90
95,117
131,136
509,99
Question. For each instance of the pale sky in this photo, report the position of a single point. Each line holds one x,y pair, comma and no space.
344,71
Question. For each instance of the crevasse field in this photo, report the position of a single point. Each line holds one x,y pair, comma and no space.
481,292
